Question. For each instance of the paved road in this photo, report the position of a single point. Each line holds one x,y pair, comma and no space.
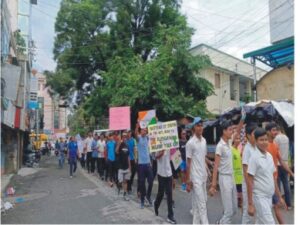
51,196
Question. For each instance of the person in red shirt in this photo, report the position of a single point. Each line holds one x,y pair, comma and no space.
273,149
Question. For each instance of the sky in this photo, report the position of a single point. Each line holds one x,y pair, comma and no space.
235,27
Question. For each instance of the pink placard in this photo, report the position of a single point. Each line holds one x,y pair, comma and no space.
119,118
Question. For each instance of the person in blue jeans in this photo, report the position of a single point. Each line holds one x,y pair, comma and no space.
72,155
144,166
61,154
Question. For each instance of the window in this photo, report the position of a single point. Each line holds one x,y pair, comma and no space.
217,80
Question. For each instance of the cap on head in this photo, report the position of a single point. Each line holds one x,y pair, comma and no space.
197,120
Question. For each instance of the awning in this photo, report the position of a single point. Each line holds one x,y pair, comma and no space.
276,55
264,110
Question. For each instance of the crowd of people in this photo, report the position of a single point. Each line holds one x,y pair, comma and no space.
247,169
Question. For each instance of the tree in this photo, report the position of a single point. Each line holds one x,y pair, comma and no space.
138,49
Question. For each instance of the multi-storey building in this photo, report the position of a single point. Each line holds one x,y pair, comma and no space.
231,77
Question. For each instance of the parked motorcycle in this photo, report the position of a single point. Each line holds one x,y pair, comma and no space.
31,157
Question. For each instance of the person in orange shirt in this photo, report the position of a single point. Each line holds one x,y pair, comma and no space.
273,149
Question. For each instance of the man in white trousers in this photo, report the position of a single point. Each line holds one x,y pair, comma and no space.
248,151
196,176
262,182
223,165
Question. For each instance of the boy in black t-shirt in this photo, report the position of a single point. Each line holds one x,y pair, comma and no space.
124,164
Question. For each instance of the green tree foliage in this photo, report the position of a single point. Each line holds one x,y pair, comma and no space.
138,48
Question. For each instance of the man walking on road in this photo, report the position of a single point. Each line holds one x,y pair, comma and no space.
94,148
124,165
262,183
61,153
101,145
131,146
249,149
273,149
182,144
164,175
144,167
88,151
223,165
111,158
196,175
283,143
72,155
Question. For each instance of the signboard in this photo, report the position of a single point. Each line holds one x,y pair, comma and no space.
176,158
33,101
119,118
147,118
34,84
163,136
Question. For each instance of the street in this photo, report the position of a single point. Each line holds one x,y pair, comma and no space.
50,196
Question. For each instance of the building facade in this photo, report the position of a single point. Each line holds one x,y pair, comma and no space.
231,77
52,113
15,82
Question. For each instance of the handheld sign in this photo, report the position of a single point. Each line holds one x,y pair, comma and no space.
119,118
163,136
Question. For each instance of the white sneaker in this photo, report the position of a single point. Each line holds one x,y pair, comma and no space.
71,176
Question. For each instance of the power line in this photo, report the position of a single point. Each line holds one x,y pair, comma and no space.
96,45
220,15
252,31
243,31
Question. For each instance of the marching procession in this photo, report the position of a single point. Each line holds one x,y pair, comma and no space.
247,170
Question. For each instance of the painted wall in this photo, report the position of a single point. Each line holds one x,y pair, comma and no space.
228,62
278,84
229,68
220,101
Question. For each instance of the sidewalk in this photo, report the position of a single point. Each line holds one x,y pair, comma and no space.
5,180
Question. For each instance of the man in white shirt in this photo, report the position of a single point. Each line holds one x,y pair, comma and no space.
196,174
283,143
261,181
249,149
164,176
88,151
101,145
223,165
